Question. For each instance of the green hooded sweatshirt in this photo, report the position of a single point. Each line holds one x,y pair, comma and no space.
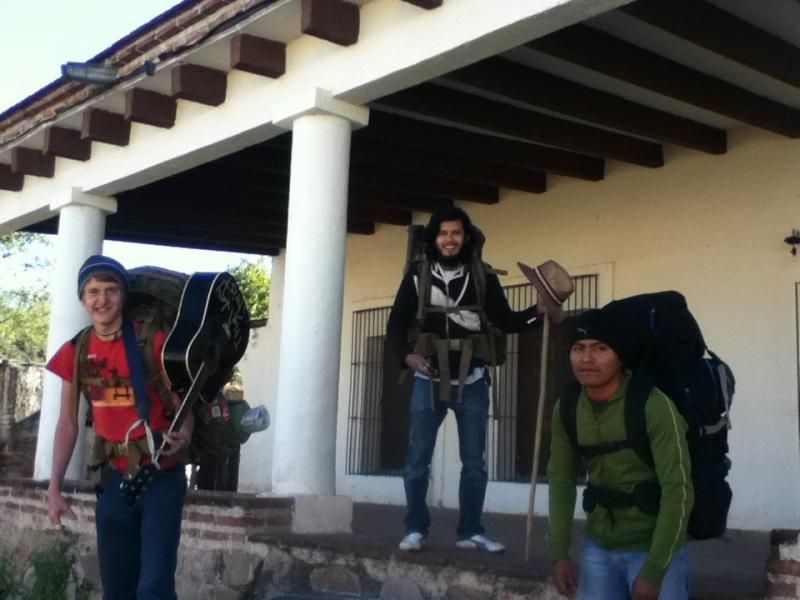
659,535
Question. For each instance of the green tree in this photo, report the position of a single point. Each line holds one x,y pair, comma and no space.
24,310
24,318
253,280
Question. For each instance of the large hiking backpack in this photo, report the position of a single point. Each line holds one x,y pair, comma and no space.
665,348
154,299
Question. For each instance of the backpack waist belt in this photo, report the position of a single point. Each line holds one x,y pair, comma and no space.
483,346
104,450
645,495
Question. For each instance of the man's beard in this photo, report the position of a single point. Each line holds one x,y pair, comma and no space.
449,262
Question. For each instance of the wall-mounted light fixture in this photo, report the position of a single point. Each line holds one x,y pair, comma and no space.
793,240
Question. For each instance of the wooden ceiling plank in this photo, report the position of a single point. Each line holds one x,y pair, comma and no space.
424,134
420,160
610,56
397,199
360,227
422,183
163,235
66,143
32,162
474,111
362,211
540,89
9,180
709,27
184,233
104,126
258,55
426,4
199,84
336,21
226,175
150,108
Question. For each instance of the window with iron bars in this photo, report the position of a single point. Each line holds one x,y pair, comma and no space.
377,433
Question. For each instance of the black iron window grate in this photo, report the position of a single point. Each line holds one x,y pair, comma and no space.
377,432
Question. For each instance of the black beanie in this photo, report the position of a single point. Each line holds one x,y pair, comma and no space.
595,324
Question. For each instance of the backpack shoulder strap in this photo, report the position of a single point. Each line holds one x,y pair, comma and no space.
79,366
145,339
478,271
423,288
639,388
568,404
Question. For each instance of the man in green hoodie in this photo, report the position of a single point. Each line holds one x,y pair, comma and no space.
635,544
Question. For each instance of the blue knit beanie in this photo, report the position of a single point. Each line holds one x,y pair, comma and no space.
97,264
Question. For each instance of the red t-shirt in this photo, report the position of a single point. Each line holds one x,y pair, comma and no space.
113,408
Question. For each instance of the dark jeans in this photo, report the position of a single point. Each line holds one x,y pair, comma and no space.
471,413
138,545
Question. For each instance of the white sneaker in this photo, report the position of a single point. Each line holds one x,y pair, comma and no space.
482,543
413,542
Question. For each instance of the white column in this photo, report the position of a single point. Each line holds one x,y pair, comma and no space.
308,375
81,229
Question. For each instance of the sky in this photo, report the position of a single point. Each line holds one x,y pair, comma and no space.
36,38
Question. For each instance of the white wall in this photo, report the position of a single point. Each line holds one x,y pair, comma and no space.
259,368
711,227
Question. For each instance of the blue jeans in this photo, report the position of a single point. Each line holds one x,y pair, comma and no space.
609,574
471,413
138,545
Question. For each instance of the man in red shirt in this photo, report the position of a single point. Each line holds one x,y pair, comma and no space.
137,544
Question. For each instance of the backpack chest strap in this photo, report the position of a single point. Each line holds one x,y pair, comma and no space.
593,450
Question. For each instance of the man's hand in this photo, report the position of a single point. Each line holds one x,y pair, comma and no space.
177,441
644,590
564,577
57,506
420,364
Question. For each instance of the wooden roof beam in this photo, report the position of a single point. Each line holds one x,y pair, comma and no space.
199,84
397,199
543,90
258,55
9,180
419,160
426,4
709,27
232,243
104,126
473,111
336,21
459,142
610,56
422,183
66,143
32,162
150,108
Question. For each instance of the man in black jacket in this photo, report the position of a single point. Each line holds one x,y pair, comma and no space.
441,326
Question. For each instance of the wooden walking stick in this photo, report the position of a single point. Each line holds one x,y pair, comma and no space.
537,440
553,286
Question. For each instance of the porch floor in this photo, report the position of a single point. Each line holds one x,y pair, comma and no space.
732,567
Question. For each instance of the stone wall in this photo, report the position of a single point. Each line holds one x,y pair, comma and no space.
783,568
236,545
20,400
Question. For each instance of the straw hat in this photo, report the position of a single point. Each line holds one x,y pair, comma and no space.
554,285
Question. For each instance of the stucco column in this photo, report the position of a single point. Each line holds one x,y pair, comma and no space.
311,324
81,229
